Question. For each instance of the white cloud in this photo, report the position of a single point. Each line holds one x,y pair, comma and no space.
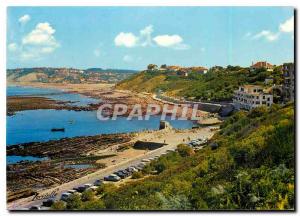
36,44
268,35
144,39
12,47
171,41
128,58
24,19
287,26
43,34
126,39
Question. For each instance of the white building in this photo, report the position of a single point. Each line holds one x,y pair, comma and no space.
251,96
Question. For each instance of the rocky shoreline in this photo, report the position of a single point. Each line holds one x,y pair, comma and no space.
22,103
65,158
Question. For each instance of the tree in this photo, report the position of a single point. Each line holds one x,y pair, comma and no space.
152,66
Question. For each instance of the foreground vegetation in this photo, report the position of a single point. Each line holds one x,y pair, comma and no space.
249,164
217,84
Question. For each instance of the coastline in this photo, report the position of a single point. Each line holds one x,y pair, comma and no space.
112,155
107,93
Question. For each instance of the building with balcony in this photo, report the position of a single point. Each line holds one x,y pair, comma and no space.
251,96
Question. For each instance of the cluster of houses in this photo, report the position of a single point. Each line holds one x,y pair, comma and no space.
251,96
178,70
248,96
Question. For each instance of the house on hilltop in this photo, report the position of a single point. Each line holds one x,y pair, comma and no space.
261,64
184,71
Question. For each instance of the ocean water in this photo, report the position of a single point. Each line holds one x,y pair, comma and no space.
15,159
35,125
55,94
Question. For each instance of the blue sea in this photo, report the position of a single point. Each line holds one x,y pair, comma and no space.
35,125
55,94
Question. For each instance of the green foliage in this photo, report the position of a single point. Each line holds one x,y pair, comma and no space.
74,202
137,175
185,150
218,84
253,169
106,188
96,204
59,205
88,195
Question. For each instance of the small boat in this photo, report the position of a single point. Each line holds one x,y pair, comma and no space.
58,130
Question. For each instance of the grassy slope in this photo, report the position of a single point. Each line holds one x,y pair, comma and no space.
215,85
253,168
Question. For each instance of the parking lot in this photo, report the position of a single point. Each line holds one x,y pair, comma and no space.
172,143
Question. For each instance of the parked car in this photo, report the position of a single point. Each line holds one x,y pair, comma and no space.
126,172
35,207
98,182
48,202
87,186
120,174
131,169
112,177
65,196
71,191
139,168
80,189
146,160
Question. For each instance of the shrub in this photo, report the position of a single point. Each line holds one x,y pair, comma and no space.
59,205
74,202
88,195
137,175
185,150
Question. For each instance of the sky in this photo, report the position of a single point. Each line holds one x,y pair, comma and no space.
133,37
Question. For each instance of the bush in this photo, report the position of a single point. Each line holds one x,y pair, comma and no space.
97,204
185,150
88,195
59,205
137,175
106,188
74,202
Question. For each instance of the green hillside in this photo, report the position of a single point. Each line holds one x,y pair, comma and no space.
216,85
252,167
